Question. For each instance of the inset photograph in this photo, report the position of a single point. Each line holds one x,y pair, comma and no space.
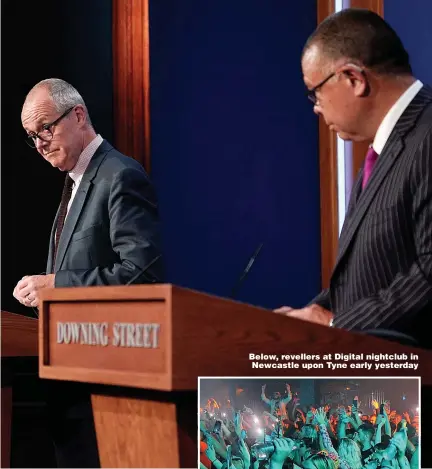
309,423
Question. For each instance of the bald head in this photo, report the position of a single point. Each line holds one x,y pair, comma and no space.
361,37
60,93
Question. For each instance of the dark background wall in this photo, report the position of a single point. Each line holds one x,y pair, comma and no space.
235,146
412,22
69,40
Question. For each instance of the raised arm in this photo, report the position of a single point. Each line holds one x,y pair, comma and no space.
355,418
288,397
342,422
380,421
320,420
387,427
415,463
264,398
283,448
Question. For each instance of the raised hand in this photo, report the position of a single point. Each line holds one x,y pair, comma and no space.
345,418
380,420
387,406
289,393
247,410
283,448
237,423
244,452
320,416
210,452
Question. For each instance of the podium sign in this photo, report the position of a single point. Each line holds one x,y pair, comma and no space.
121,342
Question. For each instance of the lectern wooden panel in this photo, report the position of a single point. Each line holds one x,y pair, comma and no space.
19,338
144,347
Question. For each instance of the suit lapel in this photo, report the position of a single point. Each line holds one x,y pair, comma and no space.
355,193
79,202
383,165
385,161
71,220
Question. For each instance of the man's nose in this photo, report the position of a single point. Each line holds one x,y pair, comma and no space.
40,144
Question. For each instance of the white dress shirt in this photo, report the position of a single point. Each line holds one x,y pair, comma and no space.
83,161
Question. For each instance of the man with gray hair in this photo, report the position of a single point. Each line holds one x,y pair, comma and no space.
106,232
359,79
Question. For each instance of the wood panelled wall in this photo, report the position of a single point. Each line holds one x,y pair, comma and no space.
131,75
360,148
328,161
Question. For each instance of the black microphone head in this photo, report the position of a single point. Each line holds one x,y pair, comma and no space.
143,271
251,260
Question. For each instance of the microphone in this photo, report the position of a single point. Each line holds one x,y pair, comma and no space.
143,270
245,272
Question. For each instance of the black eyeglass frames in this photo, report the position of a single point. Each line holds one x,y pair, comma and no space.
45,134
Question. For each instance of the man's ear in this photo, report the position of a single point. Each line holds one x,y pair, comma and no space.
80,114
358,80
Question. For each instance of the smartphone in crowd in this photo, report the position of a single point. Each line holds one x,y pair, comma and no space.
217,427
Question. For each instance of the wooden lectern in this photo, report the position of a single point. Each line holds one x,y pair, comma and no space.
144,346
19,339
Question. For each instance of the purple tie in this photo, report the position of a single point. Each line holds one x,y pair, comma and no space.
371,157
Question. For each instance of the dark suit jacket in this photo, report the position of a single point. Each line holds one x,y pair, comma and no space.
112,230
383,273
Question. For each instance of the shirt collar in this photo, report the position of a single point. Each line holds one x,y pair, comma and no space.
84,159
388,123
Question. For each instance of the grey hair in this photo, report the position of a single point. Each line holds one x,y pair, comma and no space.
63,95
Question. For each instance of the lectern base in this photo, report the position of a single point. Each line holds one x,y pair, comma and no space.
146,430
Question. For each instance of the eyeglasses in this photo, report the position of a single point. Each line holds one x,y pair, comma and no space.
311,94
46,133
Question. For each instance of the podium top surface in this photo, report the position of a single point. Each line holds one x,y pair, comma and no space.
164,337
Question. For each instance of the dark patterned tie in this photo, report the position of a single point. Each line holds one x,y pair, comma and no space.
371,157
66,195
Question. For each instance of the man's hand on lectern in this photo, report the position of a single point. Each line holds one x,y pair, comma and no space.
312,313
28,288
